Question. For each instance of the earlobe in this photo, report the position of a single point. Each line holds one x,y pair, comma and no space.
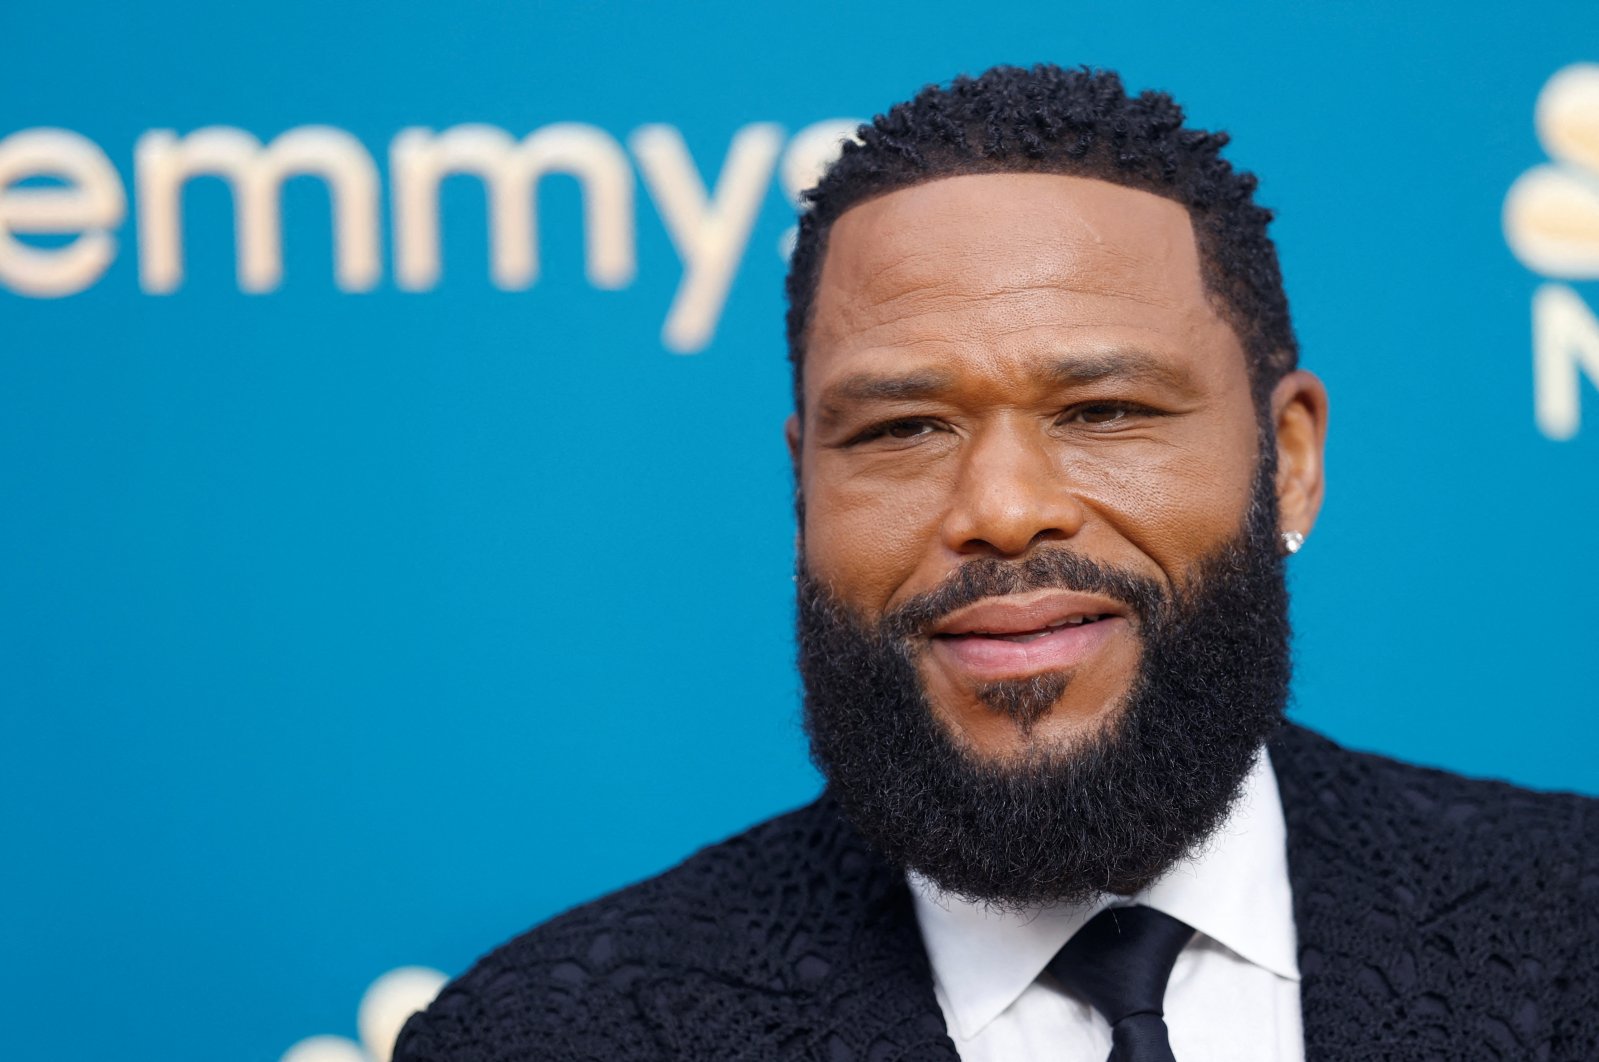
1299,412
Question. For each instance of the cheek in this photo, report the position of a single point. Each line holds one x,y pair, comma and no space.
865,540
1178,504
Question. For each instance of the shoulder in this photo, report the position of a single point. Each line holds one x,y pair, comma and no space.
607,980
1433,836
1362,800
1418,892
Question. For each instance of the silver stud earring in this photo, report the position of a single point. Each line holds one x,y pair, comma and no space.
1292,541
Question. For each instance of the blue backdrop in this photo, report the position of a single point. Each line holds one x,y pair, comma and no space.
364,604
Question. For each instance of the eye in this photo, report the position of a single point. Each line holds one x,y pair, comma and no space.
1105,414
1102,414
907,429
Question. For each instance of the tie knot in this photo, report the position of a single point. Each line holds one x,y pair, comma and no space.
1121,960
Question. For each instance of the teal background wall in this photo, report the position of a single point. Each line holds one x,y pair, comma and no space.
350,630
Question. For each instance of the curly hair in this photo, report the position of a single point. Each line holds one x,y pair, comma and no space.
1078,122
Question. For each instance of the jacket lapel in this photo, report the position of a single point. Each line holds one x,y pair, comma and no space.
1358,903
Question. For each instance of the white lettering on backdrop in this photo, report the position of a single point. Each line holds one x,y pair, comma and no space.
55,183
87,202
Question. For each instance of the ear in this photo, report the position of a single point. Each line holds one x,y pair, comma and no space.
1299,411
791,432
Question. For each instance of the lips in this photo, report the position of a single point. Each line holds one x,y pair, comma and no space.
1024,634
1030,635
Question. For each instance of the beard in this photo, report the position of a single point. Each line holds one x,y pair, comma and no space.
1109,812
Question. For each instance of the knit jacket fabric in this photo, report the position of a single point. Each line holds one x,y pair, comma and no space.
1438,918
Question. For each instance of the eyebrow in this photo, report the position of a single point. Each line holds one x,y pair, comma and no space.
871,387
1077,370
1081,369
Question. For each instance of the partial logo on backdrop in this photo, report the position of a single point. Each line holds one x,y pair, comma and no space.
1551,220
385,1006
57,185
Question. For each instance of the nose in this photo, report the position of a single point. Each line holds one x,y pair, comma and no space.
1011,494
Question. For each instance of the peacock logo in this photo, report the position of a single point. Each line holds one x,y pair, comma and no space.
385,1006
1551,222
1552,211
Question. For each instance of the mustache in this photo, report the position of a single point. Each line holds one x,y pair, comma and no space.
1052,569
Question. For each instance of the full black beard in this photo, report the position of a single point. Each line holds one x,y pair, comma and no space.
1112,812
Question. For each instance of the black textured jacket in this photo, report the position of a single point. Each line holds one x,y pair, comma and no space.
1438,918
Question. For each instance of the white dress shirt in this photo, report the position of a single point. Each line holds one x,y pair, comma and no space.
1233,995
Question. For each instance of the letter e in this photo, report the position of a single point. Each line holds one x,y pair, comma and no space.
90,204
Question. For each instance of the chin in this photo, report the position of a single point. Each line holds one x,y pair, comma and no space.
993,733
1050,711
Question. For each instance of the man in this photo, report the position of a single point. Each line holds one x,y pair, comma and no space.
1053,449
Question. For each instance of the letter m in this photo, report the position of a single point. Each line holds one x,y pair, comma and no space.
165,162
420,160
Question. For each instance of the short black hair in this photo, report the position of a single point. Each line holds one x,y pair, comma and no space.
1077,122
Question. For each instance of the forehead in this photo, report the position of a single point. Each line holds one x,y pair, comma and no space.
980,265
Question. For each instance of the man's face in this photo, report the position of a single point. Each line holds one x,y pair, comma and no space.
1004,364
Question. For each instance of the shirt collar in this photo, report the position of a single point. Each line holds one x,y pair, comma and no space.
1234,890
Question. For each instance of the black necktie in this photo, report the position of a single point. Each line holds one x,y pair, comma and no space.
1120,962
